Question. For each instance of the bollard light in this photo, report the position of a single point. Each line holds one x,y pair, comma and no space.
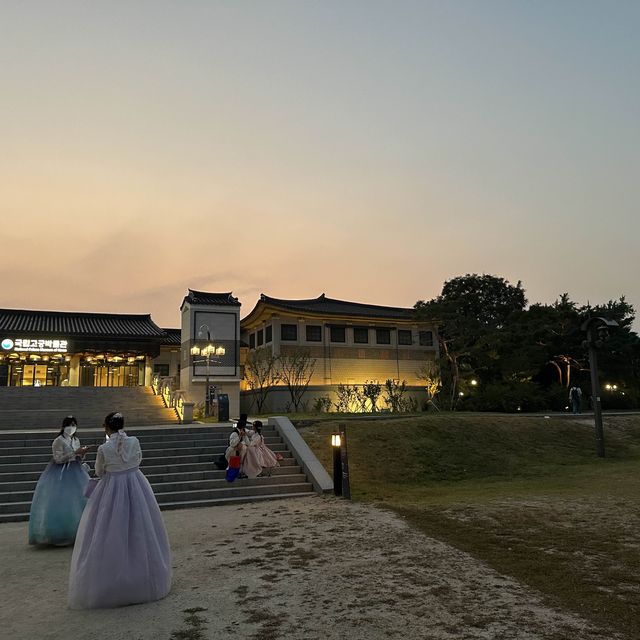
337,464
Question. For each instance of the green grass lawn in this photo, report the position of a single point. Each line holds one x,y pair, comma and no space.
525,494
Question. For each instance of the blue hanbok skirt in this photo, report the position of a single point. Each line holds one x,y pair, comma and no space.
58,503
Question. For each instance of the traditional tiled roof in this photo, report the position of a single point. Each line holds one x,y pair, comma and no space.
71,324
331,307
172,336
204,297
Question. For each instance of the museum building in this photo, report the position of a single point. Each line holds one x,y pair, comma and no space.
53,348
350,343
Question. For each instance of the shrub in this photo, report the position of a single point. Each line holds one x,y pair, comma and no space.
322,404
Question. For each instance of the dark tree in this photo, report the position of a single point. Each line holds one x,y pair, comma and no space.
470,311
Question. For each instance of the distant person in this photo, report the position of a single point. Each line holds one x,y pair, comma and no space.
575,398
58,501
122,554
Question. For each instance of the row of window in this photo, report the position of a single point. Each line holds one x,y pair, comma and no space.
289,333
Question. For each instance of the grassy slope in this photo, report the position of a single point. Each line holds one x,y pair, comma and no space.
525,494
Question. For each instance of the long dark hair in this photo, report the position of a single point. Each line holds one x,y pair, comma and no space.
68,422
114,421
257,427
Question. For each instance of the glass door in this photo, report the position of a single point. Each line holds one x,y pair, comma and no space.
40,375
28,374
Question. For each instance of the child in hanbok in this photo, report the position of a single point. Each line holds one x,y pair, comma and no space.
267,458
122,554
58,500
252,461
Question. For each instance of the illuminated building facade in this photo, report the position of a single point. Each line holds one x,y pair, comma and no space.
53,348
351,343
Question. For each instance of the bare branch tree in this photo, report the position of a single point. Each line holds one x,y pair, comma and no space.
295,371
261,373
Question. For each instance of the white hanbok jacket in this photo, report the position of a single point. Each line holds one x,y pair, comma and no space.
64,449
119,453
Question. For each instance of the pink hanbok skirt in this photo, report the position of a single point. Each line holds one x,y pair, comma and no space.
268,458
122,554
252,463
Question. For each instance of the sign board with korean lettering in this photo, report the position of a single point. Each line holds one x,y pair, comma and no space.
35,345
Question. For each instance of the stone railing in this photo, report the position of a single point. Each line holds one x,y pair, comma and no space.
173,398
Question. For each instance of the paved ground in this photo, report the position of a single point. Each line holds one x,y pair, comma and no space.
312,568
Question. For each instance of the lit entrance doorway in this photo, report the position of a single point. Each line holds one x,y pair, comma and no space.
112,371
40,373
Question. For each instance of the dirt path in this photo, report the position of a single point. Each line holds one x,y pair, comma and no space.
314,568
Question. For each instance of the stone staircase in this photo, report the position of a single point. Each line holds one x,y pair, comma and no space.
178,462
45,407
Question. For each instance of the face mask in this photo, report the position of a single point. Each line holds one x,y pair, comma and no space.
69,431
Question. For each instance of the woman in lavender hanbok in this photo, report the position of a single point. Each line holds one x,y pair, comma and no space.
122,553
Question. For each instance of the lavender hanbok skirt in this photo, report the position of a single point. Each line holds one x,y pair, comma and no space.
122,554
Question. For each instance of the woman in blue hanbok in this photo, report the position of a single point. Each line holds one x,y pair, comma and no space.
58,500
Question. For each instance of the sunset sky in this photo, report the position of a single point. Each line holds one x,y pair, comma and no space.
369,150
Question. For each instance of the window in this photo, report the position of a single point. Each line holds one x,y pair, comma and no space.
338,334
404,336
252,341
361,335
260,338
383,336
289,332
426,338
161,370
314,333
268,333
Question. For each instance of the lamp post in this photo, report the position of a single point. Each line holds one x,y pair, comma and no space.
344,461
597,333
207,351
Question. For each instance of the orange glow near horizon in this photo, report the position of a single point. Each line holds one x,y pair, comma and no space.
364,150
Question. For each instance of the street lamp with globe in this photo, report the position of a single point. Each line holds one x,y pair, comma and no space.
206,352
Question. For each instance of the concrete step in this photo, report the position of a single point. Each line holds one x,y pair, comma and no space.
188,453
28,408
32,472
193,504
180,486
145,434
178,461
242,488
28,485
177,443
232,490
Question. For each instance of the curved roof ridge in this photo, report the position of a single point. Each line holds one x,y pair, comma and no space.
212,293
79,323
210,298
323,298
104,314
322,305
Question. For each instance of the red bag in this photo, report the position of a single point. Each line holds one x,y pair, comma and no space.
233,470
